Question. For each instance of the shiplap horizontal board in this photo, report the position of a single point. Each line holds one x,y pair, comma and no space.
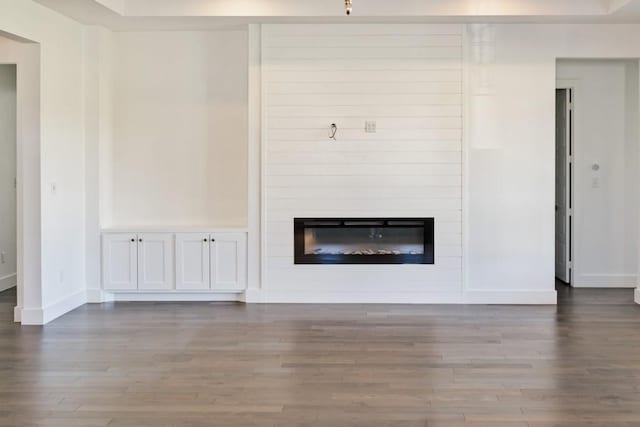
357,123
365,64
352,87
449,169
365,41
296,30
370,146
346,191
382,111
365,181
399,99
367,202
408,78
424,158
372,52
377,76
359,135
339,277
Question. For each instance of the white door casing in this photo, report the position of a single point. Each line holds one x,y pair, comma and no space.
563,183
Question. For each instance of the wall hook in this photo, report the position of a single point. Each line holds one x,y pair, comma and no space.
333,129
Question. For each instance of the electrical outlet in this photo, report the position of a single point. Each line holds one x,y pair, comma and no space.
54,188
3,258
370,126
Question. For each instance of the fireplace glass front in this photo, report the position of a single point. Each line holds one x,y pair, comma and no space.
363,241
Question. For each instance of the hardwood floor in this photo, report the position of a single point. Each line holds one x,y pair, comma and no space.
201,364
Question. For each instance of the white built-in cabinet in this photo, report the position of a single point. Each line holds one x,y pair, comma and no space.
193,261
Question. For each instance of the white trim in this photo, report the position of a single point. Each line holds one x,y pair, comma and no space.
17,314
605,281
512,297
288,296
42,316
7,282
466,91
573,87
637,296
97,296
263,158
176,296
254,235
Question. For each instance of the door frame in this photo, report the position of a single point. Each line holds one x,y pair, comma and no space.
571,87
25,55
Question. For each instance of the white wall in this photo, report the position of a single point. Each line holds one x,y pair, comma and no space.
179,154
605,201
55,142
408,78
511,183
8,194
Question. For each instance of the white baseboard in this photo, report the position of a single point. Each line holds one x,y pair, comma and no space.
605,281
8,282
42,316
469,297
176,296
98,296
511,297
637,295
289,296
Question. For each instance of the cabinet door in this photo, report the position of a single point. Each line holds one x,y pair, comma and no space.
228,261
192,261
155,261
119,262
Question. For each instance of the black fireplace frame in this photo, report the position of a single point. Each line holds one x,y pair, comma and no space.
299,225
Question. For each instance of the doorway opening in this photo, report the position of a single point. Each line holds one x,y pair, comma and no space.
564,184
8,188
597,173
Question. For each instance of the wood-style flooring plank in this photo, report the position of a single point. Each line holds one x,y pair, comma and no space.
212,364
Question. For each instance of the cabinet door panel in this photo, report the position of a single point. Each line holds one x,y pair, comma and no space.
119,262
192,261
155,261
228,261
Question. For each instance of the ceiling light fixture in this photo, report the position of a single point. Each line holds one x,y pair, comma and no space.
348,6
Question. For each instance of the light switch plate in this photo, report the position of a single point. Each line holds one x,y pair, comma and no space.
370,126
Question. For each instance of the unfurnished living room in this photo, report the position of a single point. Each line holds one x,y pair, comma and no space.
320,213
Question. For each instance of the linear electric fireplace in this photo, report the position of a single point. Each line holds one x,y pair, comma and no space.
363,240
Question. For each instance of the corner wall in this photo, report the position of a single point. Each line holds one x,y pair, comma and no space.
53,274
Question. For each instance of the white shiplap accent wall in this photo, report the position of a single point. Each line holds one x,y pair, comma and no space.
408,78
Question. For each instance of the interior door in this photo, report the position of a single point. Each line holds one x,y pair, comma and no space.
192,261
155,261
563,184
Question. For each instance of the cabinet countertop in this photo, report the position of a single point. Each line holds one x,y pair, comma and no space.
176,229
